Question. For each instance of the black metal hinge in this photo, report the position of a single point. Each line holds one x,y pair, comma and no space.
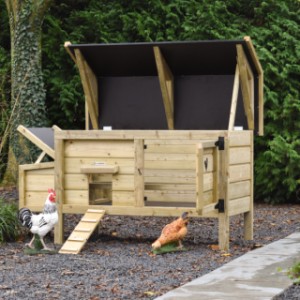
220,206
220,143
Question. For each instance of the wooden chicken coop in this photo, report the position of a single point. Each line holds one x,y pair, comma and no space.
169,129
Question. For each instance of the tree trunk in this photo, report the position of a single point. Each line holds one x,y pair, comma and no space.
27,87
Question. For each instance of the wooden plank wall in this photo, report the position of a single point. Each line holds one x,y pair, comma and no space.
240,190
170,172
114,152
34,182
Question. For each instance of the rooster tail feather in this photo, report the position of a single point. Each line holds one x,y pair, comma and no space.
24,216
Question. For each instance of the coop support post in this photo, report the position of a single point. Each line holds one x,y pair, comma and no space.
223,197
59,188
248,216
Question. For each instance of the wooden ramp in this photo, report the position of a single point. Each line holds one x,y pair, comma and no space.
82,231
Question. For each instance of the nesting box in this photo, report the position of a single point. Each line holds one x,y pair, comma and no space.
169,129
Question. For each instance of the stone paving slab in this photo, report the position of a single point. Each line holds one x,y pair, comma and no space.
259,274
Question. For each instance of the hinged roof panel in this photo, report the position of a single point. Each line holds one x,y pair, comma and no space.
184,58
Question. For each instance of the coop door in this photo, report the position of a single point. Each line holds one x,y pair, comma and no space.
207,177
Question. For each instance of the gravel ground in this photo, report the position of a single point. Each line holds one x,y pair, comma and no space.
117,262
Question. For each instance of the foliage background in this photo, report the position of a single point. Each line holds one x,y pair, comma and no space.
272,24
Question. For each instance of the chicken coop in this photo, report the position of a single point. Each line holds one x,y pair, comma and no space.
169,129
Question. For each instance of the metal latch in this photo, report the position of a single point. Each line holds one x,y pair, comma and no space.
220,206
220,143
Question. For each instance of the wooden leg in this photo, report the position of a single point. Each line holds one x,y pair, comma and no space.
248,225
223,232
59,230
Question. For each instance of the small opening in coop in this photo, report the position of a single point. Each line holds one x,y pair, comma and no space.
100,190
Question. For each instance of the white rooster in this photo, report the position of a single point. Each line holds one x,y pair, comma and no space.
42,223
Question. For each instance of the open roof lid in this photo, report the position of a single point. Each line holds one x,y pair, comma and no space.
179,60
184,58
42,137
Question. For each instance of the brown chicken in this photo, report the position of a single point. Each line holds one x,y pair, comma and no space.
173,232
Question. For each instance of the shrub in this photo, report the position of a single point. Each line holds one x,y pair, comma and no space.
294,273
9,223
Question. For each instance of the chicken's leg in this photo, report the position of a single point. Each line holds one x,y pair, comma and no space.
180,245
45,247
30,243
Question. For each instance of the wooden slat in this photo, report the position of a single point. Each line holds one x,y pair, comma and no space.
239,189
41,167
239,172
240,138
175,187
66,45
234,99
98,149
166,81
246,90
41,157
140,134
239,155
90,91
76,182
72,165
185,174
167,165
169,156
260,84
76,196
34,139
123,183
123,196
239,206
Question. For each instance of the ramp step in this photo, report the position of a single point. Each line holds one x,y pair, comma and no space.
76,239
82,229
89,220
82,232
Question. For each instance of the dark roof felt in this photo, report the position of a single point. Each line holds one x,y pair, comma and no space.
213,57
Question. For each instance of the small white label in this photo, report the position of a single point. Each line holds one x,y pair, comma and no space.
107,128
238,128
98,163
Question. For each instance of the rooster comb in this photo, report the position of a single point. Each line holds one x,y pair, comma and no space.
51,191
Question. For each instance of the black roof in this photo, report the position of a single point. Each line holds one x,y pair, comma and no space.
213,57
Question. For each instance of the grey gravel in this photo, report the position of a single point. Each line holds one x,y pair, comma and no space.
117,262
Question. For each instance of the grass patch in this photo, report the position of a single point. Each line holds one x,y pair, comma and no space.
294,273
171,247
9,224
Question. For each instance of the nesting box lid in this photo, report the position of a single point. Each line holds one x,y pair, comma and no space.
176,85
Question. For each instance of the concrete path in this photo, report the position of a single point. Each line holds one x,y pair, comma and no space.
256,275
